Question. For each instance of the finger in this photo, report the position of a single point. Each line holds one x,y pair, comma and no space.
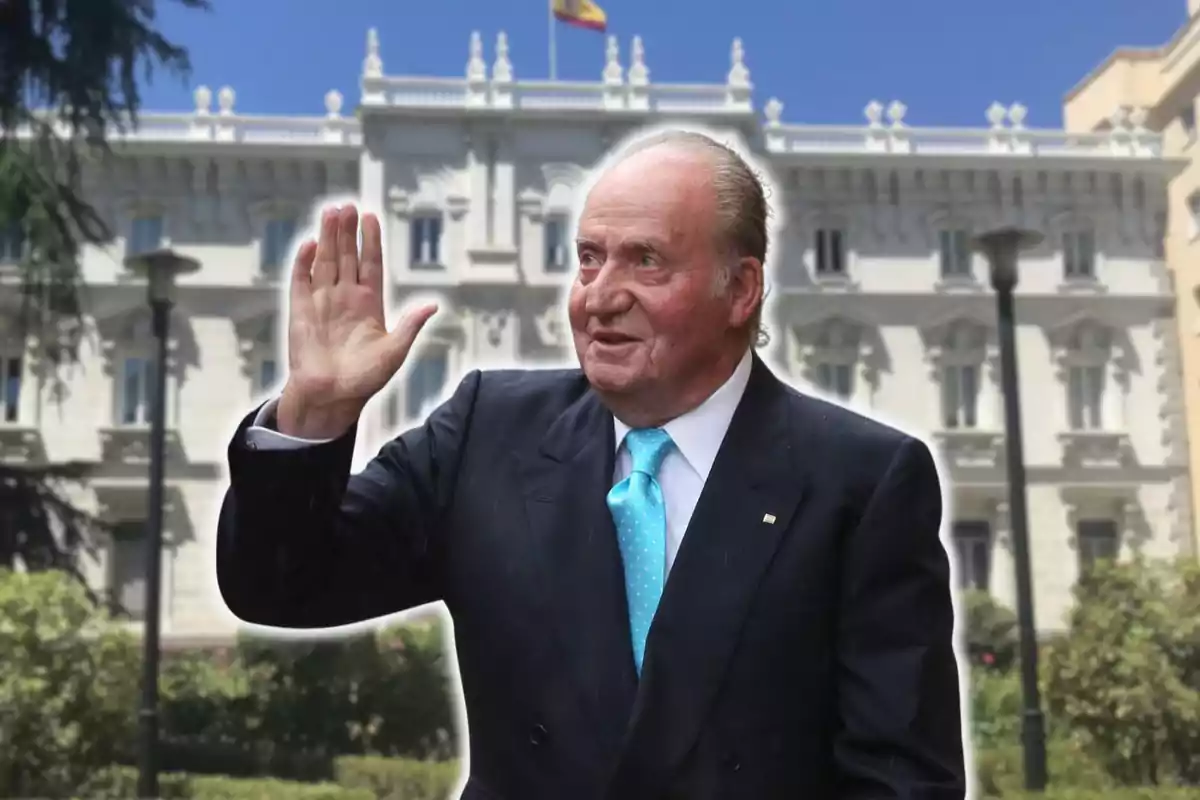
347,245
302,266
370,267
302,270
324,269
406,330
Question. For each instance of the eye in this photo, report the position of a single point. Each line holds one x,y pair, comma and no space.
647,260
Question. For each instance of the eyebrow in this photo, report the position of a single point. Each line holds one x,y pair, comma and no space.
650,243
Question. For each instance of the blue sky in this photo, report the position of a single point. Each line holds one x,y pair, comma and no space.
947,60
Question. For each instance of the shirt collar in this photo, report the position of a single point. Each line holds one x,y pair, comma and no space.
698,433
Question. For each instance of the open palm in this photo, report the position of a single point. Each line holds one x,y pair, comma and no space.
340,352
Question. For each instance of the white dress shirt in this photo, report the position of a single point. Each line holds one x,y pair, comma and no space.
697,436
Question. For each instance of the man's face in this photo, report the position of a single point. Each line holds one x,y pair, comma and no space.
646,310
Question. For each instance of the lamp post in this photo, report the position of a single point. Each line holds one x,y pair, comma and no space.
160,268
1001,247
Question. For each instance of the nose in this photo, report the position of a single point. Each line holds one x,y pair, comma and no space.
606,294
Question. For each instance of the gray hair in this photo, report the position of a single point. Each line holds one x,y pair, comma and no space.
742,209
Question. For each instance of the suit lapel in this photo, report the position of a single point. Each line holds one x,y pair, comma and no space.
566,482
726,550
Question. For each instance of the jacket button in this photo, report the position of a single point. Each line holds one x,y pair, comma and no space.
731,762
538,734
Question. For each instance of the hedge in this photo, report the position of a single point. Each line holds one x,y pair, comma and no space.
358,778
1144,793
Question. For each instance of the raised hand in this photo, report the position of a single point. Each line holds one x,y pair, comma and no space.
340,352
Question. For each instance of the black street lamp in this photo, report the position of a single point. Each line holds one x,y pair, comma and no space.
160,268
1001,247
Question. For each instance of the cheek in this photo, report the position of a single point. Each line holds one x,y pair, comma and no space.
679,318
575,306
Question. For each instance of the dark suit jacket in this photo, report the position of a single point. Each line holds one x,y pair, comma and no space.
806,658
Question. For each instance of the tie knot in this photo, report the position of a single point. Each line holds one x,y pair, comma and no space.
647,448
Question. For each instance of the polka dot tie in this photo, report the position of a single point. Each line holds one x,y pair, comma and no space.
640,515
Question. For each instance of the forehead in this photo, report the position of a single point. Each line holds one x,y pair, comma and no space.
658,193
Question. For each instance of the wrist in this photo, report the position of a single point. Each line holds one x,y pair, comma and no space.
299,416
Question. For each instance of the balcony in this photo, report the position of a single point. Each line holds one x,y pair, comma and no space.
129,445
971,448
21,444
1096,449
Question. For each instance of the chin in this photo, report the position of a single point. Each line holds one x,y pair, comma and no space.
608,377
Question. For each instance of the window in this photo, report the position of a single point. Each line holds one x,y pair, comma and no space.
136,391
557,253
277,238
1085,397
1079,254
145,234
973,553
266,374
955,252
1098,541
426,242
960,396
1193,209
830,255
10,387
127,568
1187,119
12,242
424,384
836,379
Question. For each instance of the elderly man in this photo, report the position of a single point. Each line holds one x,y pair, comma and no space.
670,575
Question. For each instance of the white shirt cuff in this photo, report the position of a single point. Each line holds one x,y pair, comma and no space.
260,437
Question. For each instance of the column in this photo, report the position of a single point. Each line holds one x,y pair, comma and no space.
503,194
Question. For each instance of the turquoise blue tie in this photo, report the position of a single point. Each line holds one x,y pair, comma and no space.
640,515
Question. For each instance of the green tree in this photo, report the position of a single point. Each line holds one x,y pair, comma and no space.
1126,674
69,77
68,686
990,631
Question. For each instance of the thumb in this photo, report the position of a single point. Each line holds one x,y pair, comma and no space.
401,337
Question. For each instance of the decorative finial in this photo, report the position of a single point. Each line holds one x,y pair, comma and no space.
502,69
874,113
1017,114
476,68
739,74
203,98
774,111
613,74
372,64
225,100
996,115
896,111
1137,118
333,103
638,73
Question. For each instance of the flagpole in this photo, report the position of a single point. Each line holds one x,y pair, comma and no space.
553,43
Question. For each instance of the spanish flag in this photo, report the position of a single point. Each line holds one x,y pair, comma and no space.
581,14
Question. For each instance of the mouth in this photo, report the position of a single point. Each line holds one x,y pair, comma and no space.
611,339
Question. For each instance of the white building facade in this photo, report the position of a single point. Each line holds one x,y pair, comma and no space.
875,298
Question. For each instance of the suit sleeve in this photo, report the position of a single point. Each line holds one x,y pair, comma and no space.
900,732
302,543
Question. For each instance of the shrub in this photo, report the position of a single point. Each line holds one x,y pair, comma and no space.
68,688
1127,674
399,779
1001,770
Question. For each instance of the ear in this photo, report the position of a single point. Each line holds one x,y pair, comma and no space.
745,290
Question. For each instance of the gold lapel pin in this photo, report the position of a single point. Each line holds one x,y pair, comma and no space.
769,519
